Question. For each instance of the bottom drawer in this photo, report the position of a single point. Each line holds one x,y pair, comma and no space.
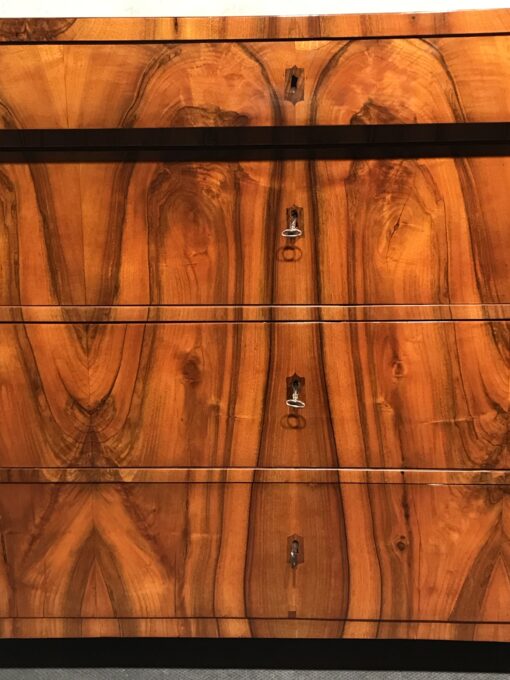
335,552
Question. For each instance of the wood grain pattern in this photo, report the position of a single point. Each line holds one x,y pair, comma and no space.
62,314
411,231
153,318
106,29
232,84
372,553
146,233
240,628
399,395
244,475
136,552
381,232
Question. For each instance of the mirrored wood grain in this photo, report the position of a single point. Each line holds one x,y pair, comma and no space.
189,551
375,232
389,394
196,84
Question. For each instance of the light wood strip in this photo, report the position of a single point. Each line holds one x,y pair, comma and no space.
250,28
241,628
253,476
28,314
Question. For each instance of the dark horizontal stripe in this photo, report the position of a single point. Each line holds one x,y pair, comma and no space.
332,654
230,142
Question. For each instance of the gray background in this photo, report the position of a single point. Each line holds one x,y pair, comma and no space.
184,674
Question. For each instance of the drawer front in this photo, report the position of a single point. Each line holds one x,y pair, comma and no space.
392,232
325,82
394,394
365,552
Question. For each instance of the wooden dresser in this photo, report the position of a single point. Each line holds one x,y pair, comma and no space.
254,327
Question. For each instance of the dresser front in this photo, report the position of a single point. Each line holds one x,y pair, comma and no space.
254,330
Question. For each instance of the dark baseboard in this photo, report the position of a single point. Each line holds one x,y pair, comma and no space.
399,655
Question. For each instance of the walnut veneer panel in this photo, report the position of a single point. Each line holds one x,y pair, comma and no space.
243,475
411,80
30,314
238,28
369,552
159,334
382,232
395,394
59,627
411,231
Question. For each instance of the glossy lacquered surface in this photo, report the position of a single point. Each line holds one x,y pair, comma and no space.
215,84
374,232
254,327
112,30
388,394
369,552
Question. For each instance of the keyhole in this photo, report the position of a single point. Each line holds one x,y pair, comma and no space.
294,84
294,554
295,392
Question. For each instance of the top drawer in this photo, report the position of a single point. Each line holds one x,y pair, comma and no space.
203,84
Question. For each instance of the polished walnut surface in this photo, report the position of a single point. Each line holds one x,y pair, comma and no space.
425,231
370,551
386,394
149,29
263,83
254,326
